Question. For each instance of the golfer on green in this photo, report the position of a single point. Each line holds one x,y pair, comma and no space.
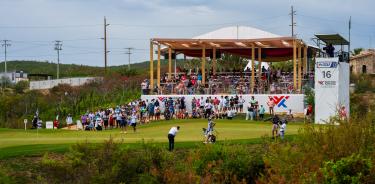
172,133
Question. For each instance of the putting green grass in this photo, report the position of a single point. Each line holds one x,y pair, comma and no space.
191,131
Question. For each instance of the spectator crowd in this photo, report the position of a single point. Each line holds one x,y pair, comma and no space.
271,81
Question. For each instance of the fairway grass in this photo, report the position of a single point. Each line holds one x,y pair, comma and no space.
18,140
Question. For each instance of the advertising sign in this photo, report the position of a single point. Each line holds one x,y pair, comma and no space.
331,88
283,102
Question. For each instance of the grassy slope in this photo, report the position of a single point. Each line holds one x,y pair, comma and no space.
18,142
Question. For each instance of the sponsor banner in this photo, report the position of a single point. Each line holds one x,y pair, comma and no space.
331,88
327,64
327,84
283,102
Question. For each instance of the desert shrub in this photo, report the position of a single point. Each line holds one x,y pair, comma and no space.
363,83
227,164
152,163
300,161
4,178
352,169
21,86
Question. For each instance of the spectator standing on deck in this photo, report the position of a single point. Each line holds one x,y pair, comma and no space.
144,87
171,135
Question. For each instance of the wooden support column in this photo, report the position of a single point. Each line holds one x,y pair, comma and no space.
260,63
305,60
158,71
294,65
151,65
299,68
204,65
169,63
252,68
214,61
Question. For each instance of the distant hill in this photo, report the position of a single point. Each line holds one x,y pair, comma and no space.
68,70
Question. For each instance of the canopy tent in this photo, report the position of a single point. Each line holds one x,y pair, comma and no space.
244,41
237,32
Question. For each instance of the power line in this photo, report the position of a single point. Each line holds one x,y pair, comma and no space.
5,44
47,27
334,20
136,25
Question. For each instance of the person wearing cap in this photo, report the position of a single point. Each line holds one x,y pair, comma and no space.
171,135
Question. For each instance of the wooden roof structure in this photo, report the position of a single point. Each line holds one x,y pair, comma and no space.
273,49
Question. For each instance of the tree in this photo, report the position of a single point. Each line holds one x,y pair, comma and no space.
230,62
21,86
357,51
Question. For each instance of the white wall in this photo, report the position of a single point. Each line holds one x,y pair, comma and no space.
284,101
48,84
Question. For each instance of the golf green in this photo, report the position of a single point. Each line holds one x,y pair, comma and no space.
191,131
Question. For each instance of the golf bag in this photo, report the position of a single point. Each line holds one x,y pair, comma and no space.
167,114
210,136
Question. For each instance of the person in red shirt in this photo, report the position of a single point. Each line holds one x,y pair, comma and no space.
308,113
343,113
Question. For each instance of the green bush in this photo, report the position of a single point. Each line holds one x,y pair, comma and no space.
21,86
352,169
4,178
111,163
300,161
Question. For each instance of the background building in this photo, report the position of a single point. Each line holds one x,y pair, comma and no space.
363,63
15,76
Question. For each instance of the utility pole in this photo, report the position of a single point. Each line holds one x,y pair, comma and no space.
5,44
105,44
58,47
129,53
350,27
292,13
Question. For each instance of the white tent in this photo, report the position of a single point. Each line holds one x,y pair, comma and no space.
237,32
265,64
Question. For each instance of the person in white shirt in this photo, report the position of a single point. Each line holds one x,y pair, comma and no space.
171,134
69,121
282,128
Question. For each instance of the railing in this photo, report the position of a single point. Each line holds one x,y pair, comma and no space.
217,88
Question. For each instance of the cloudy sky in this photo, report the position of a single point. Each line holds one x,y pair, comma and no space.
34,25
